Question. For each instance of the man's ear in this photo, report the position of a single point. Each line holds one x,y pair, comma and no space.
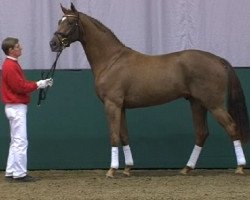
9,50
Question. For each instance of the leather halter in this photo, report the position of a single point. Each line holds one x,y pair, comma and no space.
64,38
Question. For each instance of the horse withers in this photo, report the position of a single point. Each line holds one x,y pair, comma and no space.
125,78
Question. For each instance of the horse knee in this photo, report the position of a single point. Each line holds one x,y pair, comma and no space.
124,139
115,140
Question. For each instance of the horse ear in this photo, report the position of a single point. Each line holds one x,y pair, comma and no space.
73,7
63,9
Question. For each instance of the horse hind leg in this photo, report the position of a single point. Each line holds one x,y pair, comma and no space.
199,114
229,125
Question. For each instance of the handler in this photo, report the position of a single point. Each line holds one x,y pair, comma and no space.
16,91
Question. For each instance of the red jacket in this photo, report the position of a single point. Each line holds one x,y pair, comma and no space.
15,88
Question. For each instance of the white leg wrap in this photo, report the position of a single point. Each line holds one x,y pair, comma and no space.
128,156
114,157
194,157
239,153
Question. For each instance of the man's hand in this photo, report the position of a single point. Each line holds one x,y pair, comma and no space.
44,83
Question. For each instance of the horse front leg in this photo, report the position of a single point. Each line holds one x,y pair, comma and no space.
199,114
113,113
125,143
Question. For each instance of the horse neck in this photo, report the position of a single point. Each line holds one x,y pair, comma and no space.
99,43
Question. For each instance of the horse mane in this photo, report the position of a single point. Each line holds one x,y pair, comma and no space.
102,27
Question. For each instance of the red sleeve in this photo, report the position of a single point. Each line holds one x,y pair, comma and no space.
15,79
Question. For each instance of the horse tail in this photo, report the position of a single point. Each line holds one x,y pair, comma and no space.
236,104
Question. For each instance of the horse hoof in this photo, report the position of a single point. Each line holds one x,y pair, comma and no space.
111,173
185,170
239,170
126,171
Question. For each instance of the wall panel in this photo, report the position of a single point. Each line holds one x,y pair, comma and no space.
69,130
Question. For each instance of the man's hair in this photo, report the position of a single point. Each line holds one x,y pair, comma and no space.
8,43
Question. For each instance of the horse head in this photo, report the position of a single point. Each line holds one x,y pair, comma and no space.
68,30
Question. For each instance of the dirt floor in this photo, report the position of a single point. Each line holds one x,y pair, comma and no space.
144,184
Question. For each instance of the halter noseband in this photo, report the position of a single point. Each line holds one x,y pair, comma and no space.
64,38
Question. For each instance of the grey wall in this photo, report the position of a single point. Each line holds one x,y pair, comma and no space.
148,26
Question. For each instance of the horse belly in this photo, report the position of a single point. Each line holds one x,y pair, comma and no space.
152,96
156,85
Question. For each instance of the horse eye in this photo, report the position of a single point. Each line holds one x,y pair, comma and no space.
71,23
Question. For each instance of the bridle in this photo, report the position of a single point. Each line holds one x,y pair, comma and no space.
64,41
63,38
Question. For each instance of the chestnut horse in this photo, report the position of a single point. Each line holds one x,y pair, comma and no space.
125,78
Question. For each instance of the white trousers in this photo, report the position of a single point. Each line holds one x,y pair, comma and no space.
17,158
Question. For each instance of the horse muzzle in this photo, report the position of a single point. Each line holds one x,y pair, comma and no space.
55,45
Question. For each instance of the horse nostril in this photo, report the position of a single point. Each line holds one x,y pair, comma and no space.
52,43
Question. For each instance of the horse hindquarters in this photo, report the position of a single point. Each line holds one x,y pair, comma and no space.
235,121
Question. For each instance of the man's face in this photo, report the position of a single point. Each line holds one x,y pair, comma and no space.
16,51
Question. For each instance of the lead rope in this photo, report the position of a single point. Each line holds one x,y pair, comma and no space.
43,92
